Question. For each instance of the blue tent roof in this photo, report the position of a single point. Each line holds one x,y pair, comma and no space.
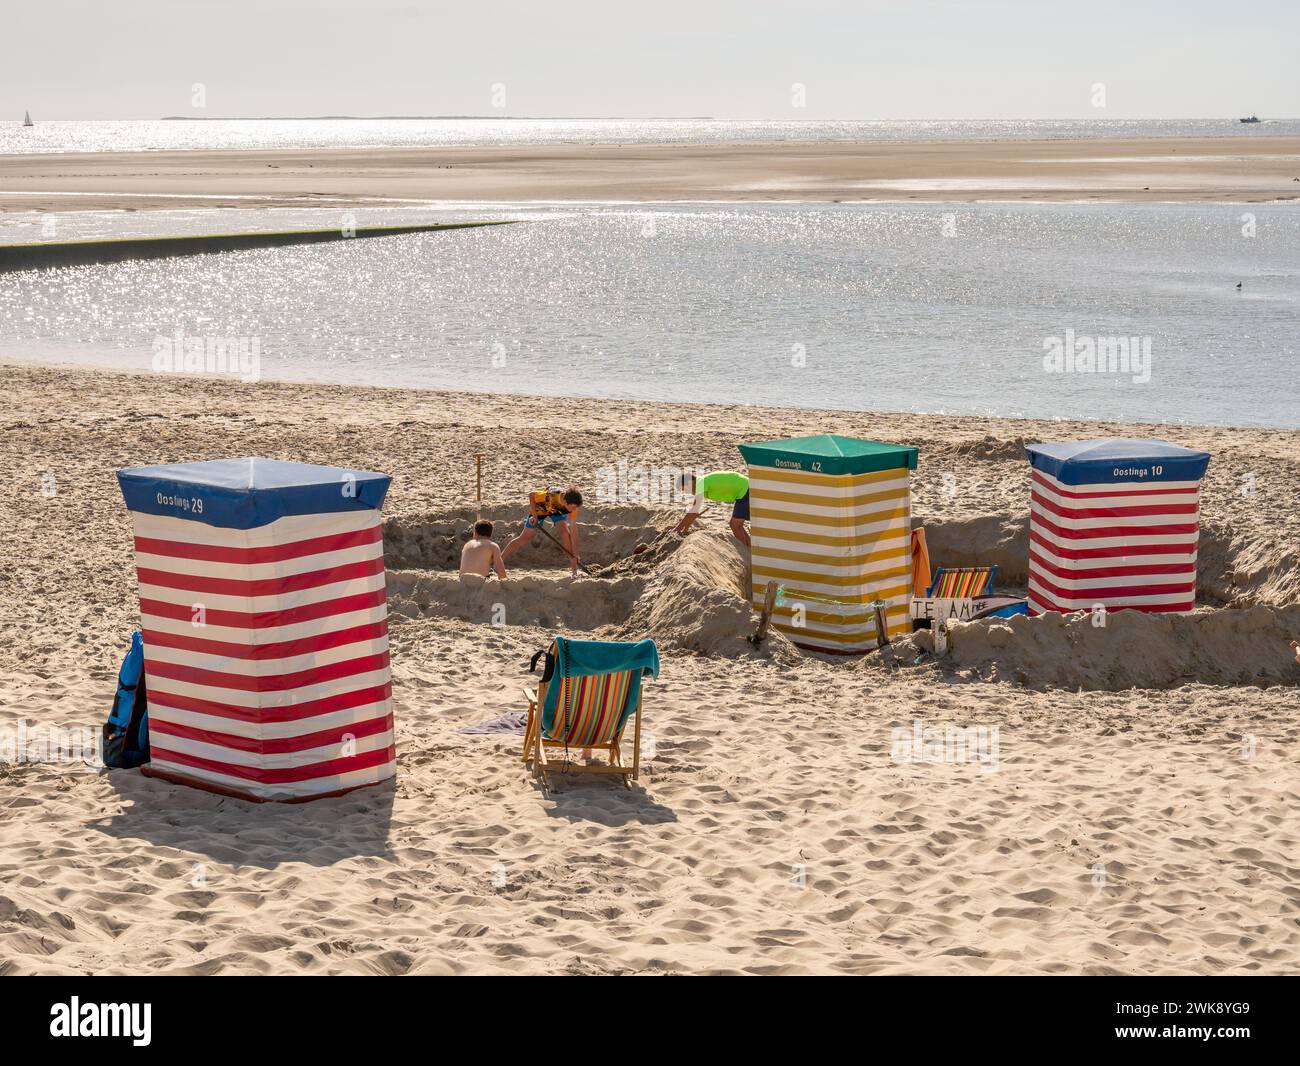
1115,460
246,493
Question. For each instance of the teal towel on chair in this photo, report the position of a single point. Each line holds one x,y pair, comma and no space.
582,658
588,658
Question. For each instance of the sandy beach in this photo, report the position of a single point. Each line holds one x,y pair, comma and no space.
1151,169
1140,817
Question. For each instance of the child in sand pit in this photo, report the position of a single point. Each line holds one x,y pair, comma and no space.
722,486
481,555
561,510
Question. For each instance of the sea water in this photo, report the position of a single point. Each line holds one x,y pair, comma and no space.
211,134
940,308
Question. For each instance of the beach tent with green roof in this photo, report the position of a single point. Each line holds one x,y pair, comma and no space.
831,523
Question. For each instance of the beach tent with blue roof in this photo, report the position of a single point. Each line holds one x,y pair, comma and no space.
831,523
264,614
1114,524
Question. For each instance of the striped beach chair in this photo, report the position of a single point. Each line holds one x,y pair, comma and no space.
588,692
962,582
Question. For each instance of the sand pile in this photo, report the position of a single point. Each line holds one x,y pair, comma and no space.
656,551
694,602
1131,650
1247,568
987,447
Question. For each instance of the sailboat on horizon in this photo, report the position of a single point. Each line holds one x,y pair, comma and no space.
27,119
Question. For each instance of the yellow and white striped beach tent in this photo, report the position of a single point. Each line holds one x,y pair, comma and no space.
831,523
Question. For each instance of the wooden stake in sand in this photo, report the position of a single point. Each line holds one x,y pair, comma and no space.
468,534
882,627
765,616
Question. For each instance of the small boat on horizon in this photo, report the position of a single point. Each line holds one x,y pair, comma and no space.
1252,118
27,119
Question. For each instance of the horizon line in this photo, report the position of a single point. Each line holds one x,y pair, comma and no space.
656,118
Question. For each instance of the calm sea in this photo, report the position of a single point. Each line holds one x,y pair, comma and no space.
142,136
941,308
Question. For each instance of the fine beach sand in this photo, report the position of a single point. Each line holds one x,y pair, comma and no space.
1245,168
1125,830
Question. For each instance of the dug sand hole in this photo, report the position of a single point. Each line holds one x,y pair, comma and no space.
684,592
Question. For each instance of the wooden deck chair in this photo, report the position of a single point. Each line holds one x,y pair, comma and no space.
962,582
588,711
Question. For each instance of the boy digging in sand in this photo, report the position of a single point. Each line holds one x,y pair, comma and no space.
481,555
722,486
561,510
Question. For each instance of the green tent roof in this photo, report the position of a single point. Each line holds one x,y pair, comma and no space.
829,454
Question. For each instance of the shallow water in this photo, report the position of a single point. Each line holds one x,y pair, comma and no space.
161,135
934,307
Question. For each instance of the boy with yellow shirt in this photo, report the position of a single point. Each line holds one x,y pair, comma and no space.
561,510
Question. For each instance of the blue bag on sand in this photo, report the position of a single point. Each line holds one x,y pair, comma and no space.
126,733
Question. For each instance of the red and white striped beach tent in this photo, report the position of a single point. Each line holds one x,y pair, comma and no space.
1114,523
265,621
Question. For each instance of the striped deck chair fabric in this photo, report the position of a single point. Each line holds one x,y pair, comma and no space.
591,710
962,582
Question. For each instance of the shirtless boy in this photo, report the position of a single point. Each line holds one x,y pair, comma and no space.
481,555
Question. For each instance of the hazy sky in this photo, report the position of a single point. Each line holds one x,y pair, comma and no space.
727,59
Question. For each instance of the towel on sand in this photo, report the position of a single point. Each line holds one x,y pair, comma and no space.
512,722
